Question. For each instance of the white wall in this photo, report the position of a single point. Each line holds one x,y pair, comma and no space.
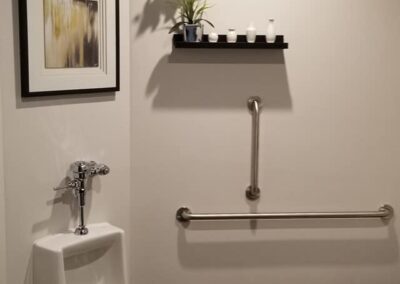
329,141
43,136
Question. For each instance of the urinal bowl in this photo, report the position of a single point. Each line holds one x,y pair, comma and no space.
96,258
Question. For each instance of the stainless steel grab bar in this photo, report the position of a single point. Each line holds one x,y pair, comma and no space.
184,214
254,105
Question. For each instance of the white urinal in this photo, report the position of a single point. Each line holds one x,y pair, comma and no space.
96,258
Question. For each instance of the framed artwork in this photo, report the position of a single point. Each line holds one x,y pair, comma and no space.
69,46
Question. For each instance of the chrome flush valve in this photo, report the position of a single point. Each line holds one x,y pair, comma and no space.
81,171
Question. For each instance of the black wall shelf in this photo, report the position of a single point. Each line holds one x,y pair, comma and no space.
241,43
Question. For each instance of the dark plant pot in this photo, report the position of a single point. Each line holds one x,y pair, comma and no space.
192,33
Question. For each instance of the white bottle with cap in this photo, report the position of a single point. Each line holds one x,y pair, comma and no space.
231,37
271,35
251,33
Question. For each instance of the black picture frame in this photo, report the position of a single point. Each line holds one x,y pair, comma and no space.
26,90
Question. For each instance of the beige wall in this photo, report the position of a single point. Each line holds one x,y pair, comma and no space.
43,136
329,141
2,196
3,276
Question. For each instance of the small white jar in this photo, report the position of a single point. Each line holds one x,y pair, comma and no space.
213,37
231,37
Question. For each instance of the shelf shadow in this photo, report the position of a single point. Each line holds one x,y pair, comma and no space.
290,252
219,79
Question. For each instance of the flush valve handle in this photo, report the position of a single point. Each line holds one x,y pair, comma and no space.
81,172
100,169
70,185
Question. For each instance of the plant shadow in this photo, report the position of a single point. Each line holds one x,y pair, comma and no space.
154,14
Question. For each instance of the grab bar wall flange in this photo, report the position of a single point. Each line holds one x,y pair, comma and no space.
388,209
181,214
184,215
254,105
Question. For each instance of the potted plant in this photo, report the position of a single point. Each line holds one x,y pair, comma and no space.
190,17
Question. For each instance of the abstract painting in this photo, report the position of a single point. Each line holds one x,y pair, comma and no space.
69,46
71,33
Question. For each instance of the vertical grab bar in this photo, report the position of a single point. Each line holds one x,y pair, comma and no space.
254,105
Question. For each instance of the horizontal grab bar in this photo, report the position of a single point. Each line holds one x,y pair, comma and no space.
184,214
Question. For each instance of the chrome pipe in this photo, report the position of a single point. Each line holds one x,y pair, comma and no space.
253,191
81,229
184,214
82,171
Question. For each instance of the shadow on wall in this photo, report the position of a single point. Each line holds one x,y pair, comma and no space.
60,100
219,79
155,12
290,252
64,208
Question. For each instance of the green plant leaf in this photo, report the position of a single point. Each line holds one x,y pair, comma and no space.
175,27
204,20
200,10
191,11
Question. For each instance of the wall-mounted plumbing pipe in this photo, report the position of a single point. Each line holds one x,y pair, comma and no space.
81,172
